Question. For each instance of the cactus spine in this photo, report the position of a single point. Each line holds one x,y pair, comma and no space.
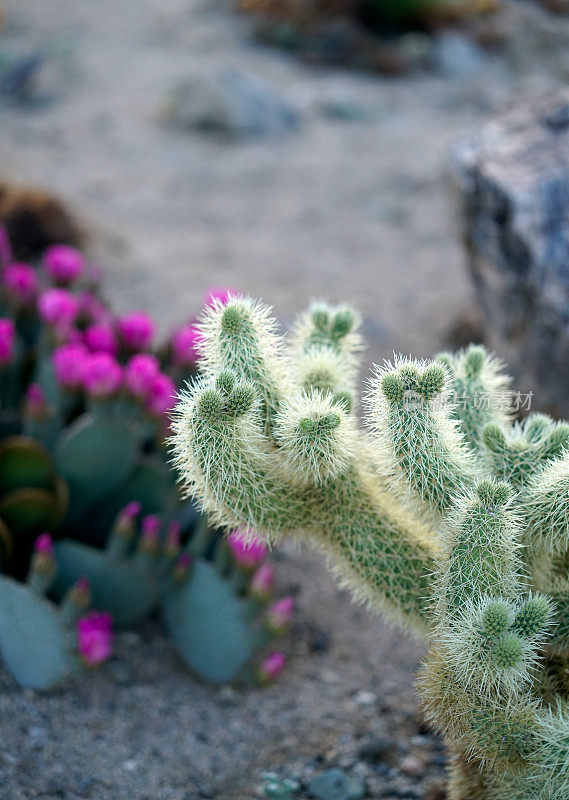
446,515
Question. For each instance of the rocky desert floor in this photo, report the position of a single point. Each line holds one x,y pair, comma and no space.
346,198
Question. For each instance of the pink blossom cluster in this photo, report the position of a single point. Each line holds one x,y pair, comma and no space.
95,638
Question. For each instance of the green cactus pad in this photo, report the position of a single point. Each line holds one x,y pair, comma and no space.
209,625
24,463
34,643
119,587
95,456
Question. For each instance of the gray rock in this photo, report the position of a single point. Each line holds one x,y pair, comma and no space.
380,748
512,180
230,103
336,785
455,54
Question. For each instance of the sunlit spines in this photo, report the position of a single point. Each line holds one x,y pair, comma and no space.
241,336
317,439
479,390
516,454
480,544
420,444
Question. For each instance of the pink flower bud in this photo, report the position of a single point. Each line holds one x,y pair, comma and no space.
162,396
80,594
279,615
182,566
7,341
35,406
150,527
125,521
136,330
58,307
63,264
69,362
262,582
184,345
100,338
173,532
95,638
247,549
102,376
270,668
219,295
131,510
140,374
44,544
20,284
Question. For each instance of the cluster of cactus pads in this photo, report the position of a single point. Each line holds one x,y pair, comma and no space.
84,403
449,517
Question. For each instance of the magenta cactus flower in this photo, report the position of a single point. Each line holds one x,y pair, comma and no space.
7,341
136,330
44,544
247,549
63,264
262,582
162,396
69,363
125,522
270,668
102,376
150,528
100,338
58,307
279,615
95,638
140,374
20,284
219,295
184,344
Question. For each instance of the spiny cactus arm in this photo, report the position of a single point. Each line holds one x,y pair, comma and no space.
518,453
415,436
241,337
310,486
546,509
480,548
324,350
479,391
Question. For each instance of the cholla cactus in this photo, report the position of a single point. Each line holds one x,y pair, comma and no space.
447,516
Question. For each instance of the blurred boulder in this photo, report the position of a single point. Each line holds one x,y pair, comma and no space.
36,219
513,183
231,103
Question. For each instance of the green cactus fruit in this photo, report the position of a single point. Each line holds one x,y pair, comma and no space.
95,456
24,462
35,643
209,625
121,587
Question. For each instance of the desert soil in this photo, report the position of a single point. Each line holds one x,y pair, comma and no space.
353,209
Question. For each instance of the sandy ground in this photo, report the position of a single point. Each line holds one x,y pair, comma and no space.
347,209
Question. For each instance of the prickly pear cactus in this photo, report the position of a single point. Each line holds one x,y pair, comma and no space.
214,601
33,496
448,516
39,640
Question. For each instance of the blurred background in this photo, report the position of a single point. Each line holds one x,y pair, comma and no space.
291,150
